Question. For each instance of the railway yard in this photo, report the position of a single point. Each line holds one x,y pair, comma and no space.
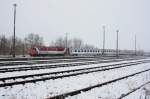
74,49
75,78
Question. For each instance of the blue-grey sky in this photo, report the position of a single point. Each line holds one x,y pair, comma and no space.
81,19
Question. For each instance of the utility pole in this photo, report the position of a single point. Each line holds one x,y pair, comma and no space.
15,5
117,44
66,40
135,44
23,51
66,43
103,40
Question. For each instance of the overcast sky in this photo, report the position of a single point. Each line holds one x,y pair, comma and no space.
81,19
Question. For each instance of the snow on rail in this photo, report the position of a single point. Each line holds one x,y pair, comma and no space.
59,86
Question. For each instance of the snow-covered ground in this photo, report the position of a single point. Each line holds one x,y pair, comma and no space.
18,73
44,60
40,90
115,90
54,62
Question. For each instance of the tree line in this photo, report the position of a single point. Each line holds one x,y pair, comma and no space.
70,43
22,46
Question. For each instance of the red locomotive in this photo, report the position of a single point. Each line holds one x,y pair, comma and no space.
43,51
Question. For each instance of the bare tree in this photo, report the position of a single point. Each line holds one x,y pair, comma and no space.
30,41
71,43
88,46
33,40
52,43
3,44
18,46
77,43
60,42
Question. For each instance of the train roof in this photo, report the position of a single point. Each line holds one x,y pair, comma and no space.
45,48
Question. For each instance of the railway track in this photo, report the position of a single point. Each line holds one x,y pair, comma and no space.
39,58
56,57
72,93
31,62
133,90
46,61
48,66
10,81
12,69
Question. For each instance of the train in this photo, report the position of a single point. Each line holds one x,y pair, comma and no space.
62,51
